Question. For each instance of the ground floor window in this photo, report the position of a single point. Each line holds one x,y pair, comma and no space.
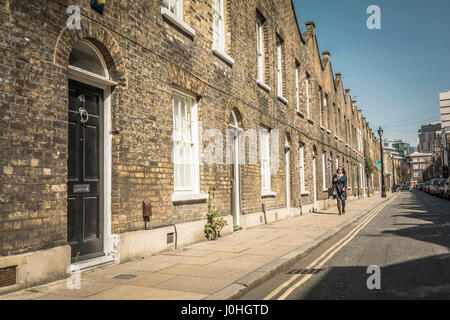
185,142
302,169
265,161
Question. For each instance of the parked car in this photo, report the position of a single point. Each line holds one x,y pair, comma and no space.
421,185
440,188
434,186
426,187
446,194
405,187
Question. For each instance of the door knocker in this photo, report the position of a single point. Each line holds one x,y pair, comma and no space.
84,115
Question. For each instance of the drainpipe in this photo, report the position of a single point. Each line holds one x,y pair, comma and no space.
264,211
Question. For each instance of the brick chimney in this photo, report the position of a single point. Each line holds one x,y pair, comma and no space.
326,54
338,76
310,25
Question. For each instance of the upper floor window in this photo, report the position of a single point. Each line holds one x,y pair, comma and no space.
175,6
297,88
339,130
307,82
280,66
260,48
172,10
218,25
321,102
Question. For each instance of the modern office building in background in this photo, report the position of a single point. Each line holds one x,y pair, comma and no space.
444,100
429,138
398,147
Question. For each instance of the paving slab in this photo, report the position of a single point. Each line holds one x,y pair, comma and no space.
126,292
194,284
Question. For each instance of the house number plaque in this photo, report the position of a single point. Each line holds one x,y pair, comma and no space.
81,188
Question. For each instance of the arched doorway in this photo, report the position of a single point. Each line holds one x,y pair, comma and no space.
233,124
89,152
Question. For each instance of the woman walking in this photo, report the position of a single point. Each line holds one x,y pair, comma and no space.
340,189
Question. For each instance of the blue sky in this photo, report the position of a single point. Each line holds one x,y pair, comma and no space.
396,73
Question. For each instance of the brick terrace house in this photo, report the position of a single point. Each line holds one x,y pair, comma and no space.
96,120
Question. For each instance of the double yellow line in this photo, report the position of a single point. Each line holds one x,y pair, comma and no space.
328,254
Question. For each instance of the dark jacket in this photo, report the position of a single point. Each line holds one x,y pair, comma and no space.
340,184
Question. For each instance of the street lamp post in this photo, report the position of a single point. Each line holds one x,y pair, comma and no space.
393,175
383,186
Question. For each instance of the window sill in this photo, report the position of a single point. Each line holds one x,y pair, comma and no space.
305,193
322,127
311,121
268,194
223,55
189,197
329,131
178,22
300,114
283,99
264,86
340,139
336,137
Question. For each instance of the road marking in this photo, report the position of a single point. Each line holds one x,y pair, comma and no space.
336,247
349,238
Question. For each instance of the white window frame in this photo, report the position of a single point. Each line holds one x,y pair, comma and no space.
194,187
177,15
302,170
260,48
265,161
218,34
175,7
330,169
324,173
297,87
280,67
308,114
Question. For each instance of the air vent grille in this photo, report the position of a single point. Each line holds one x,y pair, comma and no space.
7,276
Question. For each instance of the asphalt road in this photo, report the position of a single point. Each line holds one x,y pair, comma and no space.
409,240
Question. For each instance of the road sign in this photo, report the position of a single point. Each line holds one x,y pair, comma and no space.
378,163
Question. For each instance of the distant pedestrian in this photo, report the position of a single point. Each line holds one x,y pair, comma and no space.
340,189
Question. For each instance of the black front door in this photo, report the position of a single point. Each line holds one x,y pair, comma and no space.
84,205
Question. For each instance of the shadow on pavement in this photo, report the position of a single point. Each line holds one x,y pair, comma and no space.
433,220
426,278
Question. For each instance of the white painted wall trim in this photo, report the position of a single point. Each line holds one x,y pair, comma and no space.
90,78
223,55
177,21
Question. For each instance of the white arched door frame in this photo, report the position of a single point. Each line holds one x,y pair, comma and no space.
236,203
105,83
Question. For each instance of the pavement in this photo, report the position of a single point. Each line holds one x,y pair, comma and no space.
211,270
